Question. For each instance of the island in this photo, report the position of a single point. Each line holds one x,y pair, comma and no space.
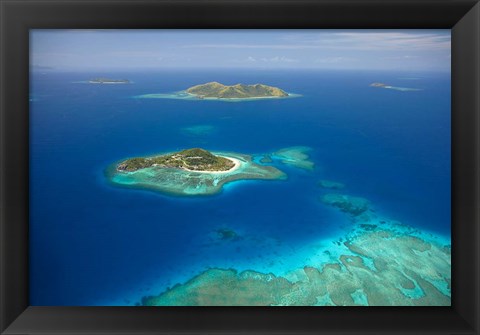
190,172
195,159
401,89
214,91
108,81
238,91
378,85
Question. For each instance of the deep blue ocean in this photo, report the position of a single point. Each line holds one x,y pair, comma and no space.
95,244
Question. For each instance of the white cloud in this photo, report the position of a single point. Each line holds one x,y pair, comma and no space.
332,60
276,59
402,57
396,40
349,41
251,46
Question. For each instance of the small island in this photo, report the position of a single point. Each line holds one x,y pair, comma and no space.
401,89
378,85
214,91
195,159
108,81
238,91
189,172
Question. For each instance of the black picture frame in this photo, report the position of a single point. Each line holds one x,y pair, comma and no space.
18,16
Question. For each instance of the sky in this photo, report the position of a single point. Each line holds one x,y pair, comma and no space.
135,50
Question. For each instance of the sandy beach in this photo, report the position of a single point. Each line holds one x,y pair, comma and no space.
236,161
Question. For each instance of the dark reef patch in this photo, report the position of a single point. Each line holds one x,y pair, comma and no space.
346,203
329,184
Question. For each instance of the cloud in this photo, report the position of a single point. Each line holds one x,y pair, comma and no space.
404,57
333,60
395,40
348,41
135,54
41,67
260,49
251,46
276,59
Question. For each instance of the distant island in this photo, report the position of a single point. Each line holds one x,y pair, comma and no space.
238,91
195,159
378,85
108,81
402,89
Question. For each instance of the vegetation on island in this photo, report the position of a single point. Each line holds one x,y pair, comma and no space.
192,172
195,159
238,91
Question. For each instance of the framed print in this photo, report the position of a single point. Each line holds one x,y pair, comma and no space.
232,175
234,172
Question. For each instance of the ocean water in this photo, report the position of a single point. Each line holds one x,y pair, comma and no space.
92,243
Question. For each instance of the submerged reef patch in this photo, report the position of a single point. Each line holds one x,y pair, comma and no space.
266,159
224,287
198,130
347,203
406,271
295,156
401,89
378,262
331,184
227,234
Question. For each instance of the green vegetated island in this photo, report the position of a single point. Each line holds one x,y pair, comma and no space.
190,160
197,171
218,91
189,172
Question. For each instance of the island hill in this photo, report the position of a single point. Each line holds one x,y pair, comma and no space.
108,81
195,159
238,91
